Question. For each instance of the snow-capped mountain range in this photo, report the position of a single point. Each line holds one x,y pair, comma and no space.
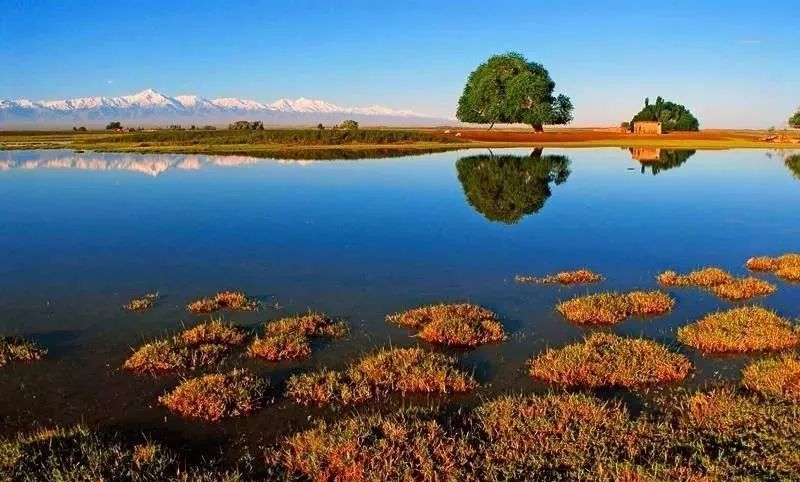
150,107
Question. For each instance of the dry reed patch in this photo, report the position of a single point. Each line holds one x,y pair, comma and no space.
460,324
580,276
201,346
233,300
564,433
777,378
704,277
606,360
394,370
611,308
141,304
763,264
786,266
289,338
407,445
739,330
16,349
789,273
743,289
217,396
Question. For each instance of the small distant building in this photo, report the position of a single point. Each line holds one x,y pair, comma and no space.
647,127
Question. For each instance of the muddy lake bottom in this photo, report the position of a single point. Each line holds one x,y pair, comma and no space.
84,233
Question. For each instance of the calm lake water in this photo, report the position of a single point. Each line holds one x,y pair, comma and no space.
82,233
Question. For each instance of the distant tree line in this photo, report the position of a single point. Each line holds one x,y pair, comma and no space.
794,121
244,125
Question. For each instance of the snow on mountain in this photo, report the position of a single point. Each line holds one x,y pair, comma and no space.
151,106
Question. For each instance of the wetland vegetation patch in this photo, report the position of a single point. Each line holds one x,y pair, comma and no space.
14,349
720,283
739,330
289,338
777,377
232,300
607,360
143,303
217,396
611,308
460,324
392,370
786,266
580,276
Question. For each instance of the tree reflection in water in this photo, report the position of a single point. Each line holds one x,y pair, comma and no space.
658,160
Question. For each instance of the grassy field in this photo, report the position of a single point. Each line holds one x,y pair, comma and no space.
361,143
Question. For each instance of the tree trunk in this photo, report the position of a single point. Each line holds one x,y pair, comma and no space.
490,126
537,128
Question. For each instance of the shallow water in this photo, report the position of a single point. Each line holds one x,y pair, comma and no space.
82,233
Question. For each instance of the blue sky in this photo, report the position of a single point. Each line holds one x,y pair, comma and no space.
734,63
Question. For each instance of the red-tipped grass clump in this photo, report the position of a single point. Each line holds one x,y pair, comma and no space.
580,276
233,300
13,349
565,433
141,304
777,378
611,308
740,330
452,324
198,347
786,266
704,277
217,396
289,338
395,370
743,289
606,360
407,445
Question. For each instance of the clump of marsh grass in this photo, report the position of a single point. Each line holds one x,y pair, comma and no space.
216,396
741,289
412,444
394,370
452,324
705,277
201,346
141,304
786,266
580,276
233,300
611,308
777,378
607,360
13,349
739,330
289,338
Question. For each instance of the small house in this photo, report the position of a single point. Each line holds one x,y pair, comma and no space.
647,127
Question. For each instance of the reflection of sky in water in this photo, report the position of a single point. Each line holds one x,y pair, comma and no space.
358,239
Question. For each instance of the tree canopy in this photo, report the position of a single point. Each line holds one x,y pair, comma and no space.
113,126
794,121
508,89
673,117
505,188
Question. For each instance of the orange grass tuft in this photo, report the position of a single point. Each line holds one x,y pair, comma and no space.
611,308
217,396
763,264
288,338
743,289
786,266
705,277
17,349
141,304
452,324
395,370
233,300
580,276
778,378
745,329
212,331
606,360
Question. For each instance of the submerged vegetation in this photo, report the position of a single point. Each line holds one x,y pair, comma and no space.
744,329
786,266
216,396
198,347
606,360
778,378
141,304
289,338
394,370
611,308
580,276
452,324
13,349
233,300
720,283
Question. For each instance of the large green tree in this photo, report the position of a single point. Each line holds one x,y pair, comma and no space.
673,117
507,89
794,121
505,188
